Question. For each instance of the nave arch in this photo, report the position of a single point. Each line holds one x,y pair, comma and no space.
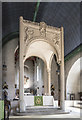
73,79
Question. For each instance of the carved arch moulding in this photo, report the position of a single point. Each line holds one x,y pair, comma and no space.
32,31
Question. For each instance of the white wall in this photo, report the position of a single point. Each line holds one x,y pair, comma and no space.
73,80
17,74
9,75
29,73
68,64
38,75
40,82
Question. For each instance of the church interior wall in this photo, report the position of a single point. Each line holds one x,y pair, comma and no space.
29,73
40,63
8,58
17,74
74,83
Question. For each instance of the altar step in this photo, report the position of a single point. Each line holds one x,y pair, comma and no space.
40,107
39,110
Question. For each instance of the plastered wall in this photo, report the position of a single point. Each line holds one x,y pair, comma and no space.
72,77
9,75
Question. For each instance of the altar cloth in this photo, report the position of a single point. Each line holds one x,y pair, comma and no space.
38,100
47,100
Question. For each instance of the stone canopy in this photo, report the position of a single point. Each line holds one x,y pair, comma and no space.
43,41
42,34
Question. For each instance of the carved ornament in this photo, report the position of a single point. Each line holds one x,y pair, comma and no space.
56,39
42,29
28,34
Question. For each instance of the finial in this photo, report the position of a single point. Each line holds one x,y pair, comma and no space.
21,18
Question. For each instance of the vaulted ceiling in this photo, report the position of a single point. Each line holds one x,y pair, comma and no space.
54,14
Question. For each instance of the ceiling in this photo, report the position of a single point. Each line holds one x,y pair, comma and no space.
54,14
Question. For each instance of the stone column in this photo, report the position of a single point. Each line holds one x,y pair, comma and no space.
21,68
62,84
49,82
35,75
45,80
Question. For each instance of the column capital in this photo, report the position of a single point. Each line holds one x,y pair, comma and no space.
48,70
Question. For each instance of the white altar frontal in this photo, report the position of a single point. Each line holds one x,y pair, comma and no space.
47,100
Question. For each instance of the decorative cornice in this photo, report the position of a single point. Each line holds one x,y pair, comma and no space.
38,24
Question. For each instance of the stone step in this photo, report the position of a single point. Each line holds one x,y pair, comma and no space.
40,111
40,107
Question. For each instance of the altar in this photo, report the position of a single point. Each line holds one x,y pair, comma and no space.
45,100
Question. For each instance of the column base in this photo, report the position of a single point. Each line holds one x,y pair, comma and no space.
22,106
62,105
